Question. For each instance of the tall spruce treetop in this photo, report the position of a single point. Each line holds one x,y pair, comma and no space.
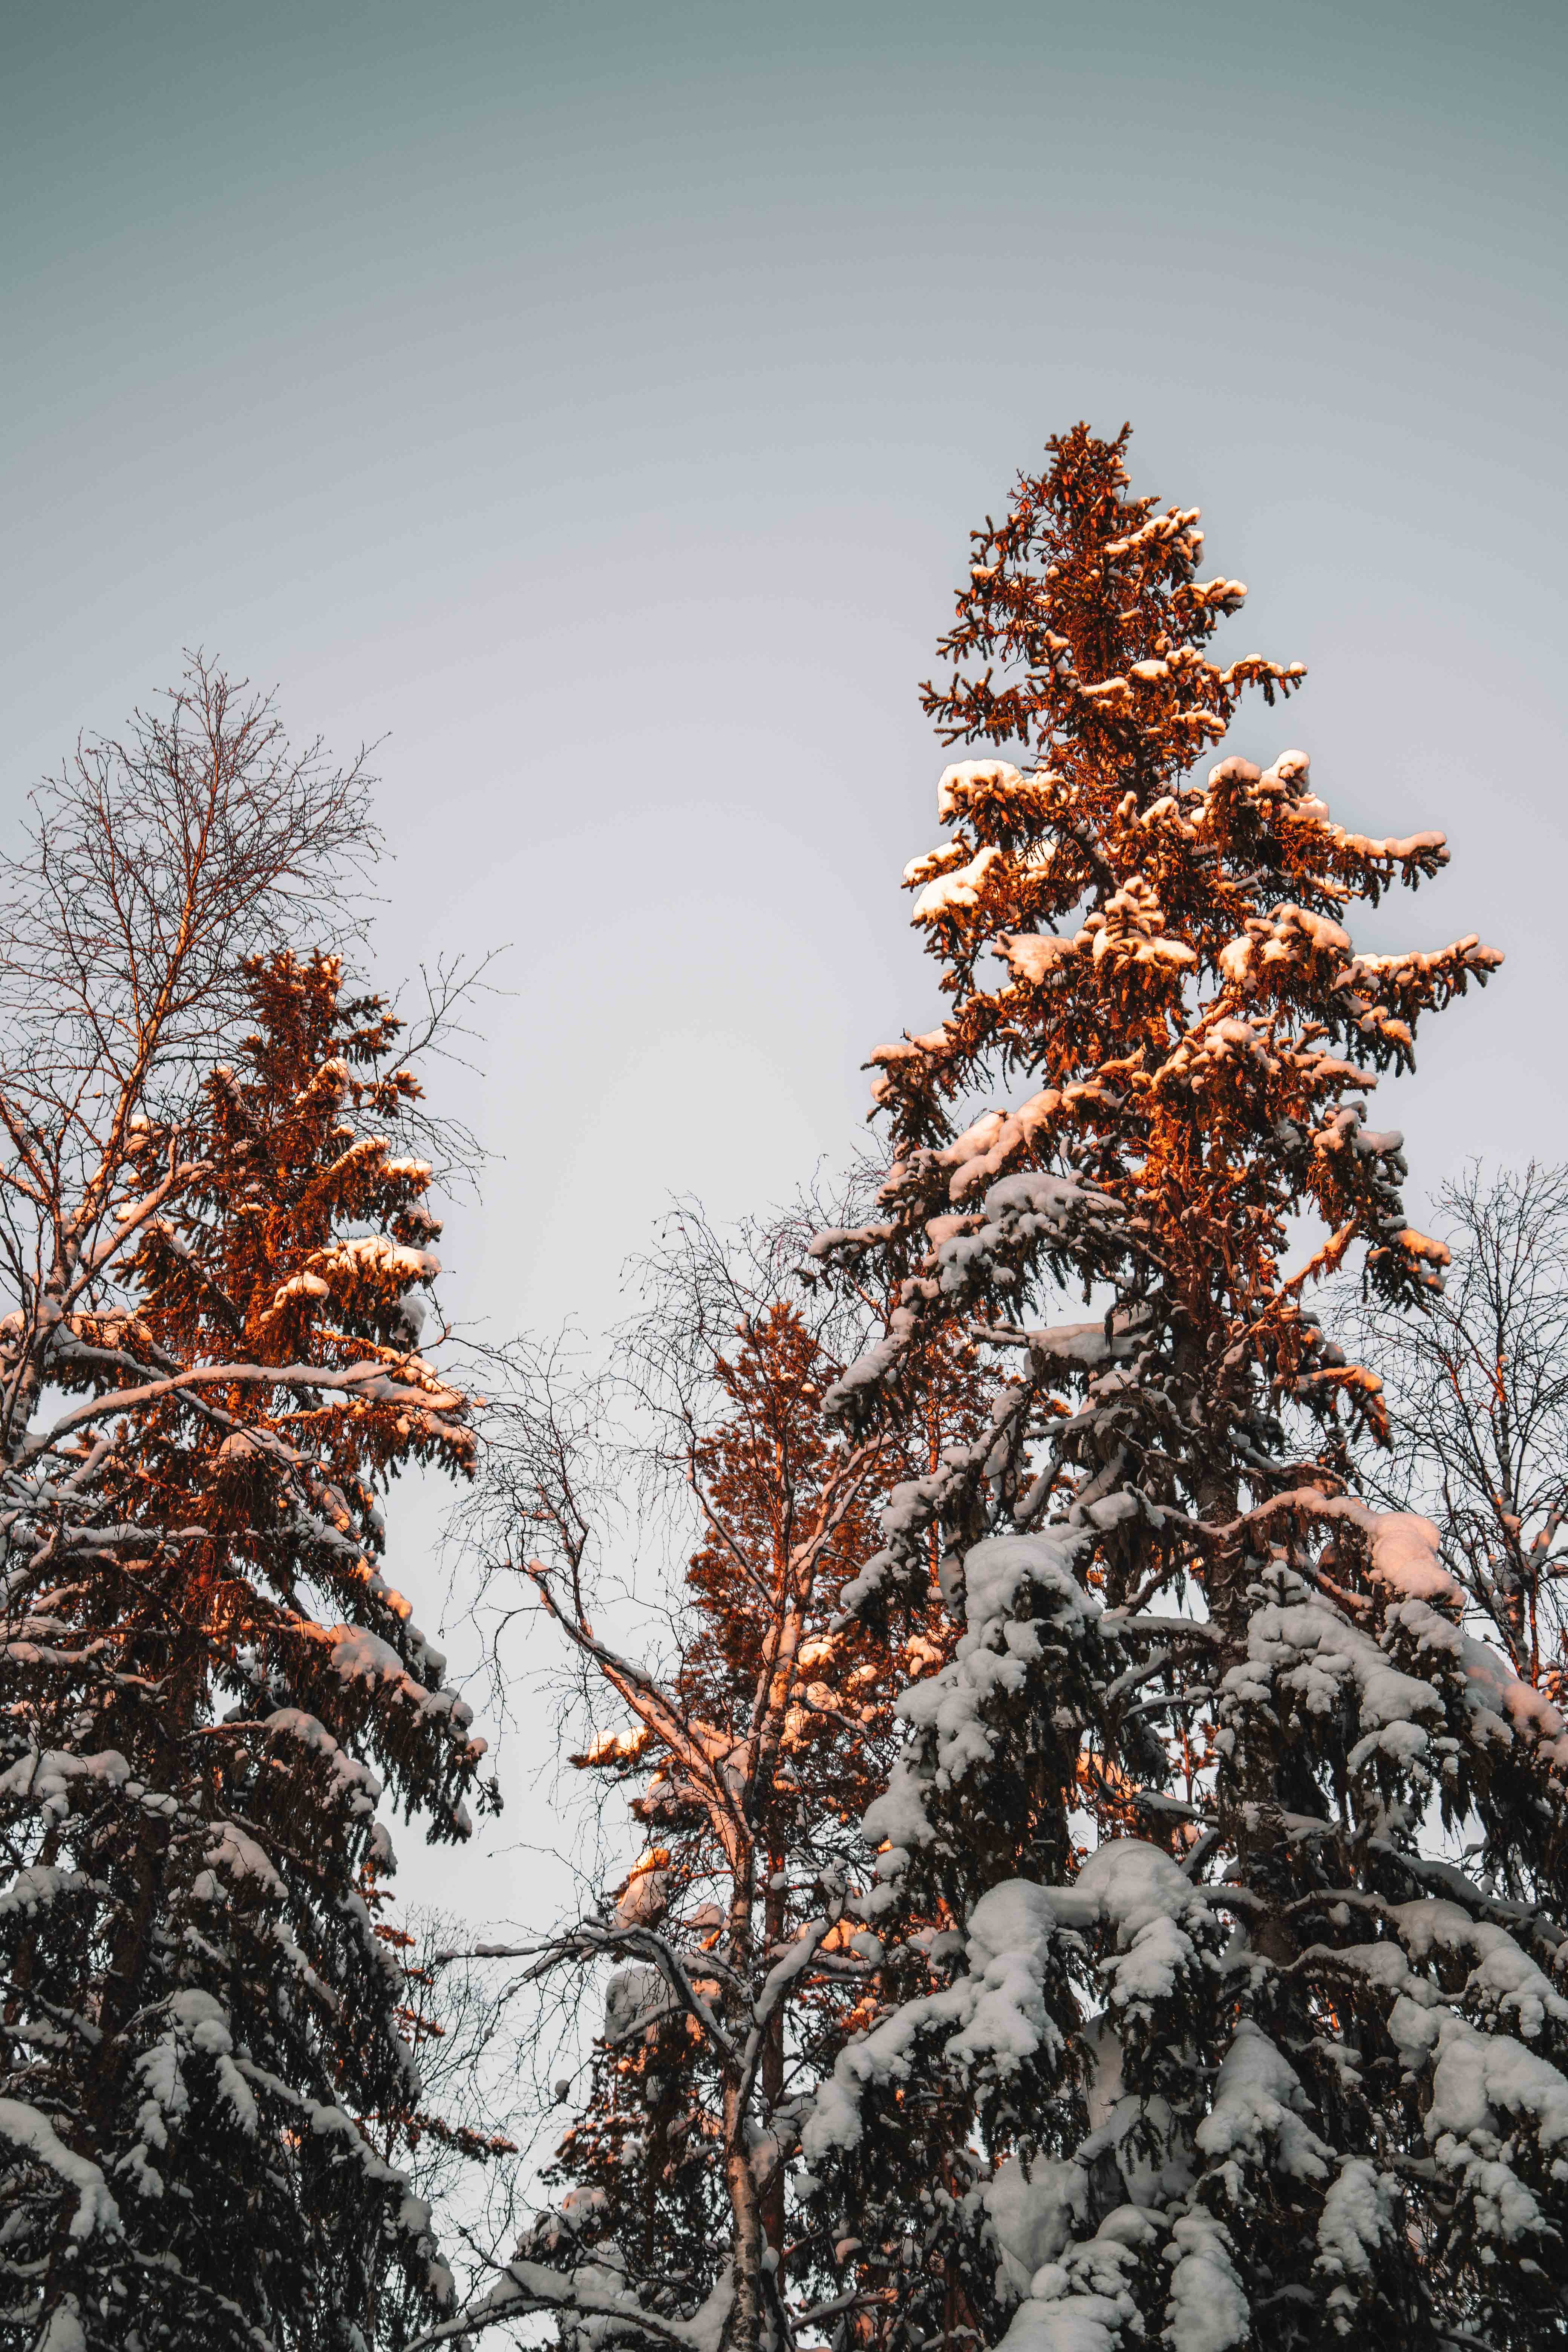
1253,2026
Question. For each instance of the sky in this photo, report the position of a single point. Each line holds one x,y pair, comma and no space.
589,405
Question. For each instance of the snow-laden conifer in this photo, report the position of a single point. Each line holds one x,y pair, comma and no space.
217,1253
1251,2029
724,1969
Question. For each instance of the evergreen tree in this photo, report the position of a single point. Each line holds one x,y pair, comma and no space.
209,1686
1255,2030
749,1757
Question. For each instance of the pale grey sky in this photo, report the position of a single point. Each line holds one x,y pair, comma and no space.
593,402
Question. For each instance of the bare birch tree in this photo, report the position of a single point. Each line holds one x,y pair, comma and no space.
1477,1389
151,866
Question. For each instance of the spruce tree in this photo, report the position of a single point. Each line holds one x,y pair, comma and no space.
1253,2032
726,1970
210,1686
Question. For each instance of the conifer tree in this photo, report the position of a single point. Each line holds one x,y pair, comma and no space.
1257,2030
209,1374
747,1758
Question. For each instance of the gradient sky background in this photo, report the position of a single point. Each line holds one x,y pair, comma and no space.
593,402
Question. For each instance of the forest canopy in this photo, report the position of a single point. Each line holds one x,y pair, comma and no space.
1057,1632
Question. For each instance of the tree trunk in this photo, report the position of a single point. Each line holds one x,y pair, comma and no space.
743,2332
